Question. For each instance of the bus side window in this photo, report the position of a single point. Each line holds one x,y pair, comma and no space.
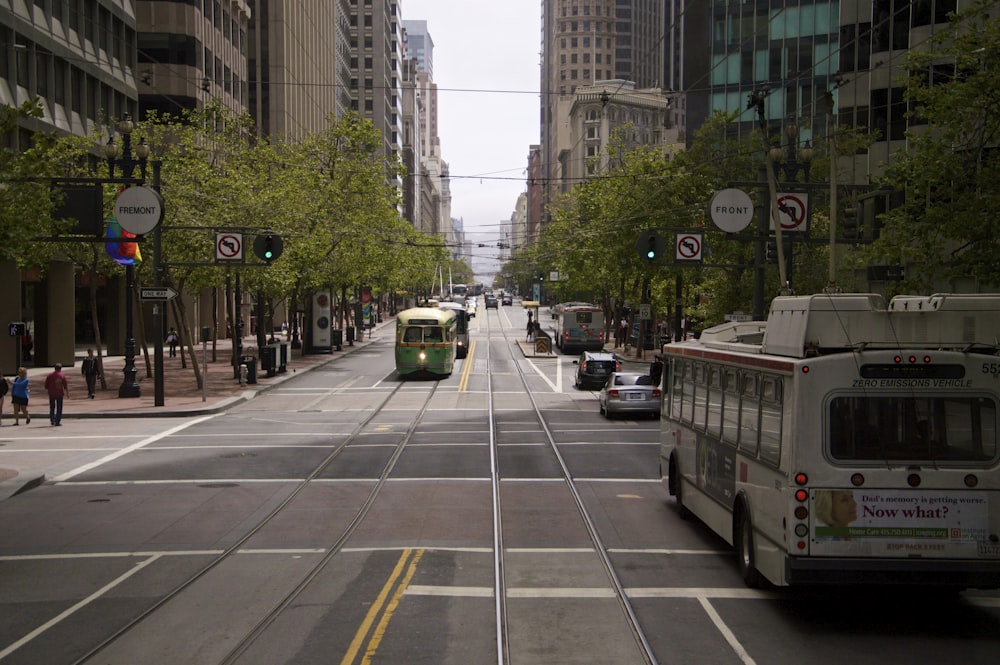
700,396
676,378
714,425
687,393
749,414
770,420
730,406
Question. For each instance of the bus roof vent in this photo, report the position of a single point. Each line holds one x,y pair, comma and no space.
734,336
800,326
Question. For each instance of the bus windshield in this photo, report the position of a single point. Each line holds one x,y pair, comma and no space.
906,428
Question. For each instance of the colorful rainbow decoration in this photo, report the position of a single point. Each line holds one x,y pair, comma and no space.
124,253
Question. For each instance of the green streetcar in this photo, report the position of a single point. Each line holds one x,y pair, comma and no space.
425,342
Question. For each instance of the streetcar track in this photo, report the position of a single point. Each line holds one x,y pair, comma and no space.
237,548
617,589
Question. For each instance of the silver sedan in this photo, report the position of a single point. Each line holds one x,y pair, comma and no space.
629,392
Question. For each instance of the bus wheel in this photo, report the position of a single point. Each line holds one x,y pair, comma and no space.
745,550
675,487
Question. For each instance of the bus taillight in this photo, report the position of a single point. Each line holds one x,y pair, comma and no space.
801,495
971,480
801,479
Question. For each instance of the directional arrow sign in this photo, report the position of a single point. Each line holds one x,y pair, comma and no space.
156,293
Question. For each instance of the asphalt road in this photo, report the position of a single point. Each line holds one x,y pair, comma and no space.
297,528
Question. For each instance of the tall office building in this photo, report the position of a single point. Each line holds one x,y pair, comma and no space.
584,43
377,67
190,53
431,182
420,46
294,66
784,50
78,59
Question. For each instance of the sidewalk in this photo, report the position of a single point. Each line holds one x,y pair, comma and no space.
181,393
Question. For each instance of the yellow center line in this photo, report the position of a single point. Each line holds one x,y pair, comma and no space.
379,633
376,607
463,383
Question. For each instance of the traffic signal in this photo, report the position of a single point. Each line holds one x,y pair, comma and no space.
772,252
850,223
651,246
267,246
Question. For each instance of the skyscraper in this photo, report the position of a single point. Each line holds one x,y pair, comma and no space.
584,43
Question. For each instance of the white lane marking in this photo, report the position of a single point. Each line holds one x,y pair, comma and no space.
726,633
107,555
80,605
545,378
451,592
128,449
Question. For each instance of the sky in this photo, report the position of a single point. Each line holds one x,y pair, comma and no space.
486,67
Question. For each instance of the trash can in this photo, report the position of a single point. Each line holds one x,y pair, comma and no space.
283,354
350,335
269,359
251,364
338,338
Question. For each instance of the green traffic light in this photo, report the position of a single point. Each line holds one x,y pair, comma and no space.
650,254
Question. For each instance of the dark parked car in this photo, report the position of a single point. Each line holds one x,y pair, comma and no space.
491,301
629,392
593,369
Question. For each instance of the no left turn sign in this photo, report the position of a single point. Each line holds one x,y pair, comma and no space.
229,246
688,247
792,211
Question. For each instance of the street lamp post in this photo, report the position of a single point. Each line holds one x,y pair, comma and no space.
126,163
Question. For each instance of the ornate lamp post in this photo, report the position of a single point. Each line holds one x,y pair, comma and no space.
126,164
790,161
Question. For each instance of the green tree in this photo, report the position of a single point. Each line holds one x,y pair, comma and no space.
947,228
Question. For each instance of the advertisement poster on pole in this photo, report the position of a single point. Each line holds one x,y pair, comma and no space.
322,322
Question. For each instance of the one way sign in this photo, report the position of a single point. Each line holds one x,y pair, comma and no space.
156,293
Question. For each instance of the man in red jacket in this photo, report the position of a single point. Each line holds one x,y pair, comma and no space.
57,387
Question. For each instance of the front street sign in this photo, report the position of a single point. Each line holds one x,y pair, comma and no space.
157,293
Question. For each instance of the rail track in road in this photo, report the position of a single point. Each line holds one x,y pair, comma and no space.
331,551
500,579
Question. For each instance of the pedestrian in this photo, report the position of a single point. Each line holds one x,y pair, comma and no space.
531,327
172,341
27,344
4,389
19,396
57,387
91,372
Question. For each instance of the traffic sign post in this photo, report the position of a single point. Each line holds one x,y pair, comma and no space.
228,246
156,293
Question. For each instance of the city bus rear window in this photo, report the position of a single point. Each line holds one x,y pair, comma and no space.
912,429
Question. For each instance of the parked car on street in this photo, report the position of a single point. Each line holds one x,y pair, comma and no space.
593,369
629,393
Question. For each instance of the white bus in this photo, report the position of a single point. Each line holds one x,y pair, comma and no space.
844,441
580,328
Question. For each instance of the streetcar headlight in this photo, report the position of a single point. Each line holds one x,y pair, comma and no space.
422,356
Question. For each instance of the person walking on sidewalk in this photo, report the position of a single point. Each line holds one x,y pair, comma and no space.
91,372
57,387
4,389
19,395
172,341
531,327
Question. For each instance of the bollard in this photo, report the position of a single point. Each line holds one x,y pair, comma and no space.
243,374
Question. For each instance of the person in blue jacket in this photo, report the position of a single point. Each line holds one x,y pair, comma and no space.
19,395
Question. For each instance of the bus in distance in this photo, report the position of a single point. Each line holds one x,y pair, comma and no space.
845,440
